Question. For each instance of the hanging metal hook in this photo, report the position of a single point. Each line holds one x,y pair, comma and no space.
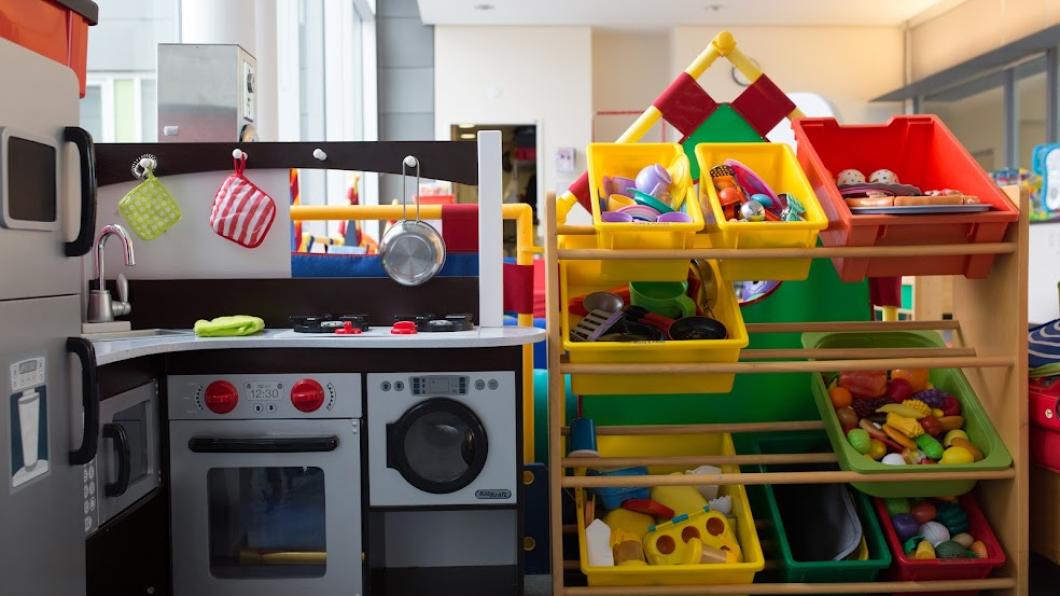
143,165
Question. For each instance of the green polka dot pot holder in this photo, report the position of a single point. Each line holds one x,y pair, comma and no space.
149,208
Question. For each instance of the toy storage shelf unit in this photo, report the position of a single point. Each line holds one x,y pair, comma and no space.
989,331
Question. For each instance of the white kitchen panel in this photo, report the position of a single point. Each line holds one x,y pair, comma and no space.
190,249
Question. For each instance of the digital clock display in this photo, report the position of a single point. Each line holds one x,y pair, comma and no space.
265,391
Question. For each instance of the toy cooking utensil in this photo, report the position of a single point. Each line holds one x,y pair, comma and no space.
697,328
647,200
749,180
412,252
594,324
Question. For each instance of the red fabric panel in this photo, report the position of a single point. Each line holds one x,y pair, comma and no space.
685,104
885,291
460,228
539,289
580,189
763,105
518,288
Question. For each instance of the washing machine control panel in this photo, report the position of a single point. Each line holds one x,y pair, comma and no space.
440,385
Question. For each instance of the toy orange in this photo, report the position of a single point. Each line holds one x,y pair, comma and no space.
917,377
840,396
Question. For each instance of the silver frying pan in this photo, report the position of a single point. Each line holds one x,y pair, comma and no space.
412,251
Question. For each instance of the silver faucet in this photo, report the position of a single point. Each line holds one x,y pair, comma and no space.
101,307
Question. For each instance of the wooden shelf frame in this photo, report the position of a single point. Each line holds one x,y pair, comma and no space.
989,326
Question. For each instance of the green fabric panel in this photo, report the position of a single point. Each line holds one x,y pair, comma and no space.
907,297
723,126
755,397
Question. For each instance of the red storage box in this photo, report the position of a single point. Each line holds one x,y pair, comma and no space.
1045,423
57,29
922,152
906,568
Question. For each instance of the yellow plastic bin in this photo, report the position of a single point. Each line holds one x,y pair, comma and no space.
778,167
676,575
627,159
578,278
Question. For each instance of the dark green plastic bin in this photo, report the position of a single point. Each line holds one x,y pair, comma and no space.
764,503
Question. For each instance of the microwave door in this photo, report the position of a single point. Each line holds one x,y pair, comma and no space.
42,525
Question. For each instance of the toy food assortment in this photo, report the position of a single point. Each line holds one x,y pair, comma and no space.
744,196
655,195
677,525
883,193
934,529
897,417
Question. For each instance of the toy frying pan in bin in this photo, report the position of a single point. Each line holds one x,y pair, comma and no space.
412,252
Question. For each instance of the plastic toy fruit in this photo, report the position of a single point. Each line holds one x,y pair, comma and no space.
906,526
951,422
950,550
893,459
897,505
935,533
931,425
978,548
966,444
950,406
848,418
840,396
877,449
899,390
898,437
859,439
905,425
964,539
923,511
956,455
924,551
864,383
953,517
916,377
931,447
953,434
901,410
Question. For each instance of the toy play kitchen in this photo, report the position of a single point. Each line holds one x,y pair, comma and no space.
195,409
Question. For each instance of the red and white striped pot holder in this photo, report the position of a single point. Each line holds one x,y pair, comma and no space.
242,212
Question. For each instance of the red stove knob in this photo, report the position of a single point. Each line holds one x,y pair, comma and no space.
221,397
307,395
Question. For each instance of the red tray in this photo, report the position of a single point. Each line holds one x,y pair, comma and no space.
906,568
1045,423
922,151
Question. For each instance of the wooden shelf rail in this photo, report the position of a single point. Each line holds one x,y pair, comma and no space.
632,368
720,427
820,252
747,478
851,353
839,326
699,460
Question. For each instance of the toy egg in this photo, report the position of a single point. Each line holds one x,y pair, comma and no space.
883,176
978,548
752,211
964,539
957,455
859,439
850,176
893,459
923,511
933,532
949,549
906,526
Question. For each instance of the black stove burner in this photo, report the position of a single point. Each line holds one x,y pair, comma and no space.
326,323
432,323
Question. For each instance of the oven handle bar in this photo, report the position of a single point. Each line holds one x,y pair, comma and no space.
263,445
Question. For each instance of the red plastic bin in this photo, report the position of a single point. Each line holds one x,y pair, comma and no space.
906,568
1045,422
923,152
57,29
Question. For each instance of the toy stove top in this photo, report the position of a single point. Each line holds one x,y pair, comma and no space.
356,324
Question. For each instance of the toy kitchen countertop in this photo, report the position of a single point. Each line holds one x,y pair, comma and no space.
126,346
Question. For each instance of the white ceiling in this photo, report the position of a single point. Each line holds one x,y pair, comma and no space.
662,14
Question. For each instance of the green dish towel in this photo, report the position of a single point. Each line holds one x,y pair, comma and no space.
229,326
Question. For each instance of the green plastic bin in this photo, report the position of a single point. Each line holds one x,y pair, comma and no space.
765,506
976,422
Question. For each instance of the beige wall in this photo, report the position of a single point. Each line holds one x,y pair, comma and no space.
847,65
629,72
518,75
974,27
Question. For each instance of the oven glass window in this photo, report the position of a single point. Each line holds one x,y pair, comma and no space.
31,180
267,522
440,446
134,421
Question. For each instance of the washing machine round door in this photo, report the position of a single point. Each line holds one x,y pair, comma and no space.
438,445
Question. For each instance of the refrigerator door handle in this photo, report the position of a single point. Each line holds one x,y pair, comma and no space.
87,229
89,400
116,433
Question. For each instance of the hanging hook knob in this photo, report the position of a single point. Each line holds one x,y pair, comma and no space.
239,154
319,154
411,161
